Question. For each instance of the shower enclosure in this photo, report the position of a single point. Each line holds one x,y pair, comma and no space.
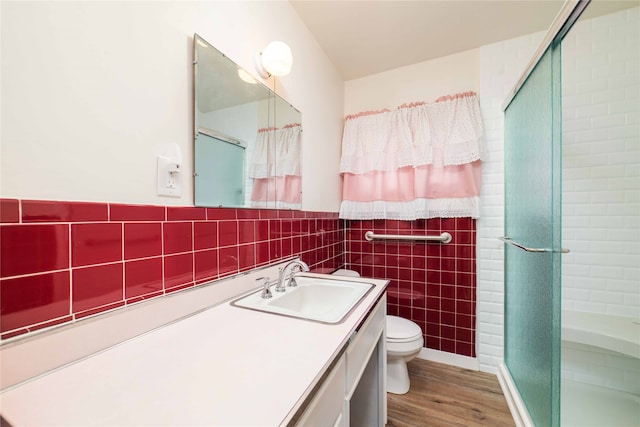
572,173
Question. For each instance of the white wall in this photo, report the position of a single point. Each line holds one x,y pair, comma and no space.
425,81
92,90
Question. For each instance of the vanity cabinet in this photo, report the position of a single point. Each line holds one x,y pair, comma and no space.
338,368
354,392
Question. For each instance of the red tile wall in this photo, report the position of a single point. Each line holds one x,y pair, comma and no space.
433,284
61,261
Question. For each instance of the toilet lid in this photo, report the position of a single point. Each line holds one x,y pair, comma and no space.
400,329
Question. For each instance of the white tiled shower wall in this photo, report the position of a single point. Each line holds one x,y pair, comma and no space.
601,187
601,165
501,64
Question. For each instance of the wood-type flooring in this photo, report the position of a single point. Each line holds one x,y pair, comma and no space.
444,395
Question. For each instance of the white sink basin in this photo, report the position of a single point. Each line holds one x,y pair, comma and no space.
326,300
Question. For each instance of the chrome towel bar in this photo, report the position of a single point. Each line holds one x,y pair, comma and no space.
506,239
443,238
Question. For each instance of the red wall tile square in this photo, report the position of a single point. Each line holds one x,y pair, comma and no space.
142,277
9,210
465,321
464,335
228,233
465,349
119,212
246,232
465,279
33,248
248,213
247,256
268,213
448,291
463,237
178,237
97,286
205,235
448,278
465,265
221,213
33,299
51,211
464,307
465,251
287,248
275,250
95,243
206,264
262,230
447,345
142,240
262,253
178,270
185,213
465,224
464,293
447,264
228,261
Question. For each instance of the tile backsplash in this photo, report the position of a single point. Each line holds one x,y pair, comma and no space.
61,261
432,284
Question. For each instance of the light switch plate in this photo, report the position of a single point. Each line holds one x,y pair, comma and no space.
169,184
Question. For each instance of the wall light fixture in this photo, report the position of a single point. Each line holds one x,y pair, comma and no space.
276,59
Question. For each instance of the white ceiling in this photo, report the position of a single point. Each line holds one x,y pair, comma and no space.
367,37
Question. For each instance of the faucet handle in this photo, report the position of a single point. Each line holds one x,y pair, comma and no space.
292,280
266,293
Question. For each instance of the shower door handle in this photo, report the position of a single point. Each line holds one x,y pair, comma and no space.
508,240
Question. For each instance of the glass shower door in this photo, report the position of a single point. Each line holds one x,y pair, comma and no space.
532,237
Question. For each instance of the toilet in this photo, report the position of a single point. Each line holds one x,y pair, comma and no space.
404,342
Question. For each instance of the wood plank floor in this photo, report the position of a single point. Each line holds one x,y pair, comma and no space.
443,395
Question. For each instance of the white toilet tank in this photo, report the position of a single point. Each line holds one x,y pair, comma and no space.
346,272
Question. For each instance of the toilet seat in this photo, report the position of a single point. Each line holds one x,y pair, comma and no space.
401,330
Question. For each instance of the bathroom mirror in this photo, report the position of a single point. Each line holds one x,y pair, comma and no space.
247,139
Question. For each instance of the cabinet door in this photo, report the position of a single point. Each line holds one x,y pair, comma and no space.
362,345
326,408
366,399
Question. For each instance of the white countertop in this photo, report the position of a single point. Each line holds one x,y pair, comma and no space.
224,366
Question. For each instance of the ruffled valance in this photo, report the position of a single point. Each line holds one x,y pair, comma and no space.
275,168
277,152
447,132
418,161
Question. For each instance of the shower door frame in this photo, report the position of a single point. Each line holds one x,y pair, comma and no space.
563,22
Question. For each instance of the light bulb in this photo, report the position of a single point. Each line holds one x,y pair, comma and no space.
277,58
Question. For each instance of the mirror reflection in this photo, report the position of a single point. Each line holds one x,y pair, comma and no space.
247,139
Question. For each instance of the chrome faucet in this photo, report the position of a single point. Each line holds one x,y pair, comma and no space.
302,266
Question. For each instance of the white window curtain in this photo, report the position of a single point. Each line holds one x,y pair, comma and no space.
418,161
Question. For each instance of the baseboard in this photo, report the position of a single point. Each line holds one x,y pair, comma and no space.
517,407
450,359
